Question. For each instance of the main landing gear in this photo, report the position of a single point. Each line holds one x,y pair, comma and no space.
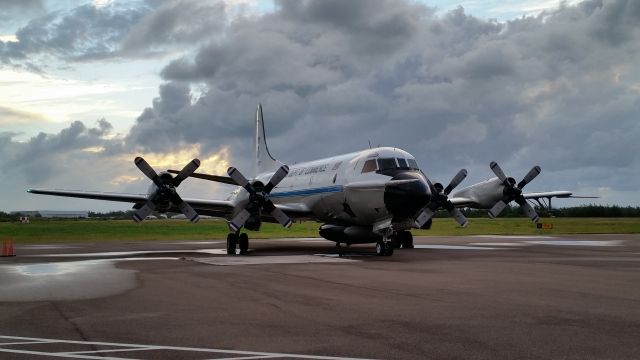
396,240
237,240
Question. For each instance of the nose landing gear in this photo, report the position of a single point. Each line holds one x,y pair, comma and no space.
235,240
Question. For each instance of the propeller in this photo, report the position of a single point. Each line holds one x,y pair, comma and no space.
513,192
165,194
441,200
258,198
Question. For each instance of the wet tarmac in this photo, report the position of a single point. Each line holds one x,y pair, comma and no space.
479,297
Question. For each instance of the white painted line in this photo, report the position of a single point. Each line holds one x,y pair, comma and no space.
263,260
578,242
499,244
62,355
112,350
28,342
132,253
514,236
195,242
249,357
158,347
455,247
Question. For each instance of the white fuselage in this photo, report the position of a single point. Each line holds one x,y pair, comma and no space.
322,186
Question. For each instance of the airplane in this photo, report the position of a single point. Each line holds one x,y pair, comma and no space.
375,195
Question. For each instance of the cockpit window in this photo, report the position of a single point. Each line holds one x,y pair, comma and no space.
402,162
369,166
413,164
387,163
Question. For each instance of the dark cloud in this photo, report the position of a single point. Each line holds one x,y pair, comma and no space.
137,29
559,89
12,9
176,23
43,155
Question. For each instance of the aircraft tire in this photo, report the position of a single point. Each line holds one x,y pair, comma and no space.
388,249
232,241
380,248
397,240
243,242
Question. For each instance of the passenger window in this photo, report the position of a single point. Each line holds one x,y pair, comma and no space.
402,163
387,163
369,166
413,164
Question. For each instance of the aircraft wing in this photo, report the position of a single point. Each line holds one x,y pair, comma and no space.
130,198
220,208
475,200
216,208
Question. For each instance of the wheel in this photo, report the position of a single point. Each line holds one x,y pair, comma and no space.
380,248
397,240
407,240
388,249
243,241
232,241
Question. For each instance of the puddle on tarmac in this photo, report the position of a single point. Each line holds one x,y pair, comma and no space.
69,280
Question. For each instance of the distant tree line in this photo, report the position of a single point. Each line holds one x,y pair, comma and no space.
509,211
576,211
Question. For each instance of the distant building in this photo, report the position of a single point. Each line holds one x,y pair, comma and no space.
68,214
64,214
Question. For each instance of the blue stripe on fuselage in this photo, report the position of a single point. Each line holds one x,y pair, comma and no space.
322,190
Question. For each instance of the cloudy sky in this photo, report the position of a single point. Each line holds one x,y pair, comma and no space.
87,86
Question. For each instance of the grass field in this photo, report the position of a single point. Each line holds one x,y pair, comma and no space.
48,231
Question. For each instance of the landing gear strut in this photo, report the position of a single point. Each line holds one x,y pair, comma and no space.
237,240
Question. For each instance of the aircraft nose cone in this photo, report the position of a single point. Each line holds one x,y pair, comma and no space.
405,200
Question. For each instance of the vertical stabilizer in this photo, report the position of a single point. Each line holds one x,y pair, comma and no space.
264,161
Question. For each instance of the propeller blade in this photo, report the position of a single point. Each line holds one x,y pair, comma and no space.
455,181
459,217
238,221
497,209
144,211
535,171
237,176
146,169
498,171
278,214
530,212
185,208
186,172
280,174
424,216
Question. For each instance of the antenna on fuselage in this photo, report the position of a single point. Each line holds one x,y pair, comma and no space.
369,143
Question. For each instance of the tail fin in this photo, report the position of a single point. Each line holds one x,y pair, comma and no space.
264,161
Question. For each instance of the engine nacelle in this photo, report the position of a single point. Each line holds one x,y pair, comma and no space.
161,197
483,195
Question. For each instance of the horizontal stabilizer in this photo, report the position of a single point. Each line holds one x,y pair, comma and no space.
216,178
